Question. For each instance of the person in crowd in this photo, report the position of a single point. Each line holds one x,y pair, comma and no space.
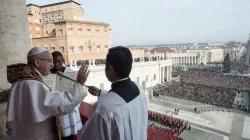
71,122
33,110
59,63
121,113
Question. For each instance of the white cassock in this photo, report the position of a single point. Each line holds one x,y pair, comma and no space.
71,122
112,118
32,107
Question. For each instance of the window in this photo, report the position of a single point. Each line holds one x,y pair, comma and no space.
52,9
70,32
88,33
105,33
37,28
37,35
106,48
81,49
46,18
61,32
61,43
72,50
52,17
62,50
101,86
45,10
97,33
29,18
47,32
58,8
154,76
52,49
79,26
89,49
80,33
59,16
98,49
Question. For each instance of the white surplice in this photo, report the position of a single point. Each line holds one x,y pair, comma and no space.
114,119
32,107
71,122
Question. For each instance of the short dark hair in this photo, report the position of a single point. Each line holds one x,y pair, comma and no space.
120,58
57,53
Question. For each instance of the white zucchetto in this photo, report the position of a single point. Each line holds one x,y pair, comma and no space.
36,51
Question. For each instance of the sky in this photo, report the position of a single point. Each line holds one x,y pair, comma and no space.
141,22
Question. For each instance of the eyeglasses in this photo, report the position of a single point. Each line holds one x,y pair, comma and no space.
48,60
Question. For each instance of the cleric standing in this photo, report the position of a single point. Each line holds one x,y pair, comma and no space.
121,113
32,107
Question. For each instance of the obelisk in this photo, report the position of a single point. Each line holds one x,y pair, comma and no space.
14,36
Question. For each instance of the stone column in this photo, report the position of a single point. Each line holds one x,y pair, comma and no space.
14,36
189,60
163,75
170,73
195,60
166,73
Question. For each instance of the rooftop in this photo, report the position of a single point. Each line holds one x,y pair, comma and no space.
80,21
68,1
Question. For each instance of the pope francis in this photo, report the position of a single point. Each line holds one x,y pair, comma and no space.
32,108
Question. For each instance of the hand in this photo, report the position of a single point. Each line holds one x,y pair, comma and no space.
82,74
94,91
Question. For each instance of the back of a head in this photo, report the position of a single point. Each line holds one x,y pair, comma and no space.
120,58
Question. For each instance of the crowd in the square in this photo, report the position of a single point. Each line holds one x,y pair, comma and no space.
218,96
215,80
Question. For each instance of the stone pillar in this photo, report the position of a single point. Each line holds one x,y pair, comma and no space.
195,60
192,60
166,73
163,75
14,36
170,73
159,74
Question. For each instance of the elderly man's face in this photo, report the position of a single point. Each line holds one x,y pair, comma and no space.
45,63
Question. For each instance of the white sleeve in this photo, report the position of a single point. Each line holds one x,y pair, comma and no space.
98,128
32,101
61,103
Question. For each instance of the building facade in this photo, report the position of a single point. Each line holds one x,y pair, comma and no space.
235,53
61,27
146,73
188,59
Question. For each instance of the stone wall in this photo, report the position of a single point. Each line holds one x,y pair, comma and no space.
3,121
14,36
